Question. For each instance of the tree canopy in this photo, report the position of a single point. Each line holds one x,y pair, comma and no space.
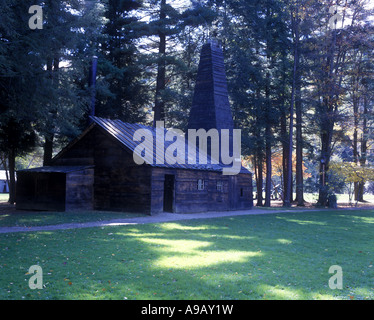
300,78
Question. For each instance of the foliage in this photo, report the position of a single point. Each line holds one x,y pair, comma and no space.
118,64
169,36
278,166
278,54
353,172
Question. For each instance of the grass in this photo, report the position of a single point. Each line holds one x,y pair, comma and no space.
274,256
39,218
34,218
31,219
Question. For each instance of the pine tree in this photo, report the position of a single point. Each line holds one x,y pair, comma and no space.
18,85
38,97
118,63
256,42
162,39
61,103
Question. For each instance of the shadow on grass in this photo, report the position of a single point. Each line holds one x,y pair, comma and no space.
280,256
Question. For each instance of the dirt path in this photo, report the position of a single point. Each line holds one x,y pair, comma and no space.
158,218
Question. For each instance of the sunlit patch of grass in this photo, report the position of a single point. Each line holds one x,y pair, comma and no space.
4,217
363,219
194,254
205,259
284,241
4,197
178,226
279,292
303,222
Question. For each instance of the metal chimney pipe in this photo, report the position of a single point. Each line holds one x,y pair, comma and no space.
92,84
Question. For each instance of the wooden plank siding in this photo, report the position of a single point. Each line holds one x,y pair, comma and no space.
188,199
118,183
79,190
111,180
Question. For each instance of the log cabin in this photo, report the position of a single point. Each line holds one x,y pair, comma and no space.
97,170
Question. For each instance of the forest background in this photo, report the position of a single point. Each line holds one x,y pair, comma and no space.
300,78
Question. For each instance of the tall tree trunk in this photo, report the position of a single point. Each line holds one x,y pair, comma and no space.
255,168
299,157
364,147
260,180
355,140
356,117
268,138
327,125
328,115
299,137
288,191
53,70
268,167
285,147
48,137
48,149
159,107
283,123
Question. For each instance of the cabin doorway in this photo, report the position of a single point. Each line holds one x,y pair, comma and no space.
169,193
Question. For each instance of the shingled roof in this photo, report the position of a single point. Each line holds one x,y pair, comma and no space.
57,169
124,133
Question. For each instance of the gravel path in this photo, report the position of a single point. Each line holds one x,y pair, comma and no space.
157,218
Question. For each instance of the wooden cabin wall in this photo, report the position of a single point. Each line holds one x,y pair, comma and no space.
157,187
80,154
79,190
120,184
241,193
187,197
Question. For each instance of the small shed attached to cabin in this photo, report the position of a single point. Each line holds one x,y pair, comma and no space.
55,188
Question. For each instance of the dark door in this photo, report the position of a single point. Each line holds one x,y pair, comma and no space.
169,192
233,193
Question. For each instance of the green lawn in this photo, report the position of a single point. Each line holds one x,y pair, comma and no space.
30,219
275,256
39,218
